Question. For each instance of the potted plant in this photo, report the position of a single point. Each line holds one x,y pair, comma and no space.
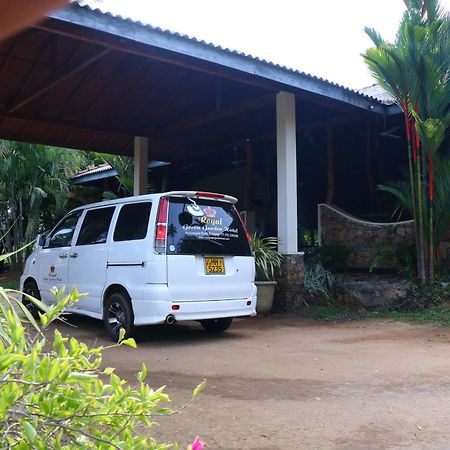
267,264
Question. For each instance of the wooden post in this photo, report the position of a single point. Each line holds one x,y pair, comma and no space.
330,165
166,179
248,176
369,157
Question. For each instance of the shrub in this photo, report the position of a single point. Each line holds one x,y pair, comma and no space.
318,281
267,257
55,394
403,254
331,255
420,298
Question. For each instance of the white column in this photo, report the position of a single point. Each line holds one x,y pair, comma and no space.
140,165
286,173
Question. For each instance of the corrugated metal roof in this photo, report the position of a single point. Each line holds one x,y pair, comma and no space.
105,171
362,93
376,91
97,169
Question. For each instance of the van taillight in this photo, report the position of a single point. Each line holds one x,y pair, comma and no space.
161,226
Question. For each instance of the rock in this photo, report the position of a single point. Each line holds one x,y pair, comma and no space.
369,290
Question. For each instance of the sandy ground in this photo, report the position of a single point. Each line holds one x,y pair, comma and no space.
280,383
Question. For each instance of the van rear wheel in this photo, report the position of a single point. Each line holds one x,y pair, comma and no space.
117,314
216,325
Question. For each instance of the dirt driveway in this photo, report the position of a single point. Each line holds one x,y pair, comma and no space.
286,383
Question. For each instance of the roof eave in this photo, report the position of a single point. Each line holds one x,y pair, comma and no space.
173,42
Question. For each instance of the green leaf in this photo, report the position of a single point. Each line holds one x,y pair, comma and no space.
29,431
130,342
80,377
199,388
142,375
122,333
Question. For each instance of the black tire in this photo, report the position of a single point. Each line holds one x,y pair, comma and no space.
216,325
30,287
117,314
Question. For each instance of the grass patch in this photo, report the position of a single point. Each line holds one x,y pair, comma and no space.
10,280
11,284
437,315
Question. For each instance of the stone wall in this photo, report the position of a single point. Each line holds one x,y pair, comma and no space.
360,237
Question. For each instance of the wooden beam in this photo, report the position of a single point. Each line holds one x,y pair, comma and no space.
156,54
77,88
113,110
60,76
32,73
13,49
67,61
335,121
124,68
223,113
69,124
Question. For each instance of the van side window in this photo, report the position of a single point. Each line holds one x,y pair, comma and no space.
132,223
94,229
63,233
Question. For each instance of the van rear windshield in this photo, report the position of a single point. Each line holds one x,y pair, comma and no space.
206,227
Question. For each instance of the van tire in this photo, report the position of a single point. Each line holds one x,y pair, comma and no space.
30,287
117,314
216,325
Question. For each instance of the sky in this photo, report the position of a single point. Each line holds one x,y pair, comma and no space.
324,38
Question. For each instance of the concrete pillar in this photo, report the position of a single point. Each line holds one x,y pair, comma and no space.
290,288
287,173
140,165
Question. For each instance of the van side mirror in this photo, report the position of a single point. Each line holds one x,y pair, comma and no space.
41,240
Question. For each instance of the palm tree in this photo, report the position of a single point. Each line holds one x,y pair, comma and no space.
32,178
415,70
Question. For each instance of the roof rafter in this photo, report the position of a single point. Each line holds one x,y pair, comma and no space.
60,76
228,111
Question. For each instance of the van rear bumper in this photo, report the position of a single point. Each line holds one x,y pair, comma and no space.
150,312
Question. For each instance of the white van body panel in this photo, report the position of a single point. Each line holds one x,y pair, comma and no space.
154,282
188,281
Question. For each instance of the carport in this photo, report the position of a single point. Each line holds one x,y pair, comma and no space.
88,80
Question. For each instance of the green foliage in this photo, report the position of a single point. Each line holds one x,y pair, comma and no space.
401,191
318,280
415,70
402,253
435,315
54,392
331,255
420,298
124,166
267,257
33,179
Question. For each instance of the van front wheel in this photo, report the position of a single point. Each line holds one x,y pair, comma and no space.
216,325
117,314
30,287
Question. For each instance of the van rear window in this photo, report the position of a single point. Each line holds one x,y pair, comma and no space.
207,227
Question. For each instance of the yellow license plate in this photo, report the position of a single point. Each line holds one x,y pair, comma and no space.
214,266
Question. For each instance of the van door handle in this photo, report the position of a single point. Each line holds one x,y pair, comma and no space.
63,256
74,255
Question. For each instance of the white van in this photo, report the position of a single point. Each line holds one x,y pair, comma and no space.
150,259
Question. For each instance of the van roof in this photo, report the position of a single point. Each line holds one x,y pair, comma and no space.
153,197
